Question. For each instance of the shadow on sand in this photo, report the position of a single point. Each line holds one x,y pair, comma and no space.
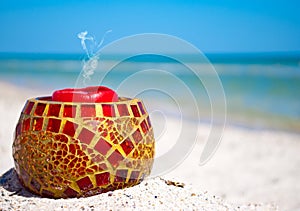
10,182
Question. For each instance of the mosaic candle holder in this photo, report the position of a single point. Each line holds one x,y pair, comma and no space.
67,149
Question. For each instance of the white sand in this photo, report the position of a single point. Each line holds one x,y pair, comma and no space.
250,166
151,194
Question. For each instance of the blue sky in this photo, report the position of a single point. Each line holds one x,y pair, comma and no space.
212,26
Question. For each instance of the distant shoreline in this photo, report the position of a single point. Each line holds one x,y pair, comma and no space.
238,124
292,57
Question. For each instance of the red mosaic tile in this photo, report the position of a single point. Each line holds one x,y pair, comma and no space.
47,193
86,136
109,122
72,148
85,183
102,179
26,125
113,138
35,184
123,110
29,108
137,136
144,126
39,110
61,138
135,110
108,110
96,159
54,110
53,125
72,164
134,175
115,158
102,167
18,130
141,108
148,121
102,146
127,146
69,111
121,175
95,168
88,111
38,123
59,152
69,192
103,133
70,128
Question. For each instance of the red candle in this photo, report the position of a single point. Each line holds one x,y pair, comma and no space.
91,94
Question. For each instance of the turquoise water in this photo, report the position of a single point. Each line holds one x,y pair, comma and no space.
262,90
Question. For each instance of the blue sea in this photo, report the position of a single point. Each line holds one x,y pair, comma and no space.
262,90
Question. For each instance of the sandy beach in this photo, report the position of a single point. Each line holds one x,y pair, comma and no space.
250,167
158,194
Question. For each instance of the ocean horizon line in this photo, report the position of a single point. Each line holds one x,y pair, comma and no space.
288,57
